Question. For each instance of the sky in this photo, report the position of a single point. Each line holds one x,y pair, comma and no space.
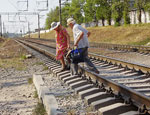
12,23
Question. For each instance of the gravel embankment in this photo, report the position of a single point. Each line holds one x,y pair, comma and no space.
126,56
17,95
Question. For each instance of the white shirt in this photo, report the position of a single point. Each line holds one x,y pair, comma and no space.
77,29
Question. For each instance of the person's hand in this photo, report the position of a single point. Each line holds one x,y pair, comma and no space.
75,47
68,47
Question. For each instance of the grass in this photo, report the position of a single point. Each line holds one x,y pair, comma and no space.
23,57
35,94
136,34
45,68
144,42
12,56
30,80
39,63
13,62
39,110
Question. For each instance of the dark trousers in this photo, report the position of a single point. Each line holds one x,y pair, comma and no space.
87,61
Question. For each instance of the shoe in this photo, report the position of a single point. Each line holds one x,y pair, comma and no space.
97,72
63,69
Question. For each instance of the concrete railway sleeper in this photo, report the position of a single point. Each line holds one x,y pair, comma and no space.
103,93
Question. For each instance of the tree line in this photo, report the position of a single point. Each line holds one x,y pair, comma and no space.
84,11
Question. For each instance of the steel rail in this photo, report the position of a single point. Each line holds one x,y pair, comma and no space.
129,65
133,66
128,92
132,48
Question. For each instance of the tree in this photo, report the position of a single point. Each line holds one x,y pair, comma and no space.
66,13
147,6
139,5
100,10
53,15
117,11
89,10
77,10
108,12
103,10
126,16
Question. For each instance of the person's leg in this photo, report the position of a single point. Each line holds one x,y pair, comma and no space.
88,62
74,69
62,62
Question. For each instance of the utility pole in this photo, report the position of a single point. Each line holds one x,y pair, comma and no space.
21,33
29,29
0,26
60,11
3,29
38,25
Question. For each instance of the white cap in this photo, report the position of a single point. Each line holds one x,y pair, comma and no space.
70,20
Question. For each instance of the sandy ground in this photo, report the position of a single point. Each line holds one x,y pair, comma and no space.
16,94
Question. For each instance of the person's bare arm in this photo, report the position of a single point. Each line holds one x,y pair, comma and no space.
88,34
68,39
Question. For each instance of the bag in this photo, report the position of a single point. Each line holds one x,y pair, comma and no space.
76,56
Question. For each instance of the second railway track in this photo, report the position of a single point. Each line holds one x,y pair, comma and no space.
119,86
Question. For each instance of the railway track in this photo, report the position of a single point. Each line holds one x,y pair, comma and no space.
119,86
143,50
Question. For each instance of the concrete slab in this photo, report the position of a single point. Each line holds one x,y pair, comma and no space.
87,92
65,76
117,108
56,68
105,101
50,104
63,73
69,78
78,84
48,100
85,87
73,80
109,107
91,98
131,113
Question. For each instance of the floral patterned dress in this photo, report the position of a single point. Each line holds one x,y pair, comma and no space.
61,43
